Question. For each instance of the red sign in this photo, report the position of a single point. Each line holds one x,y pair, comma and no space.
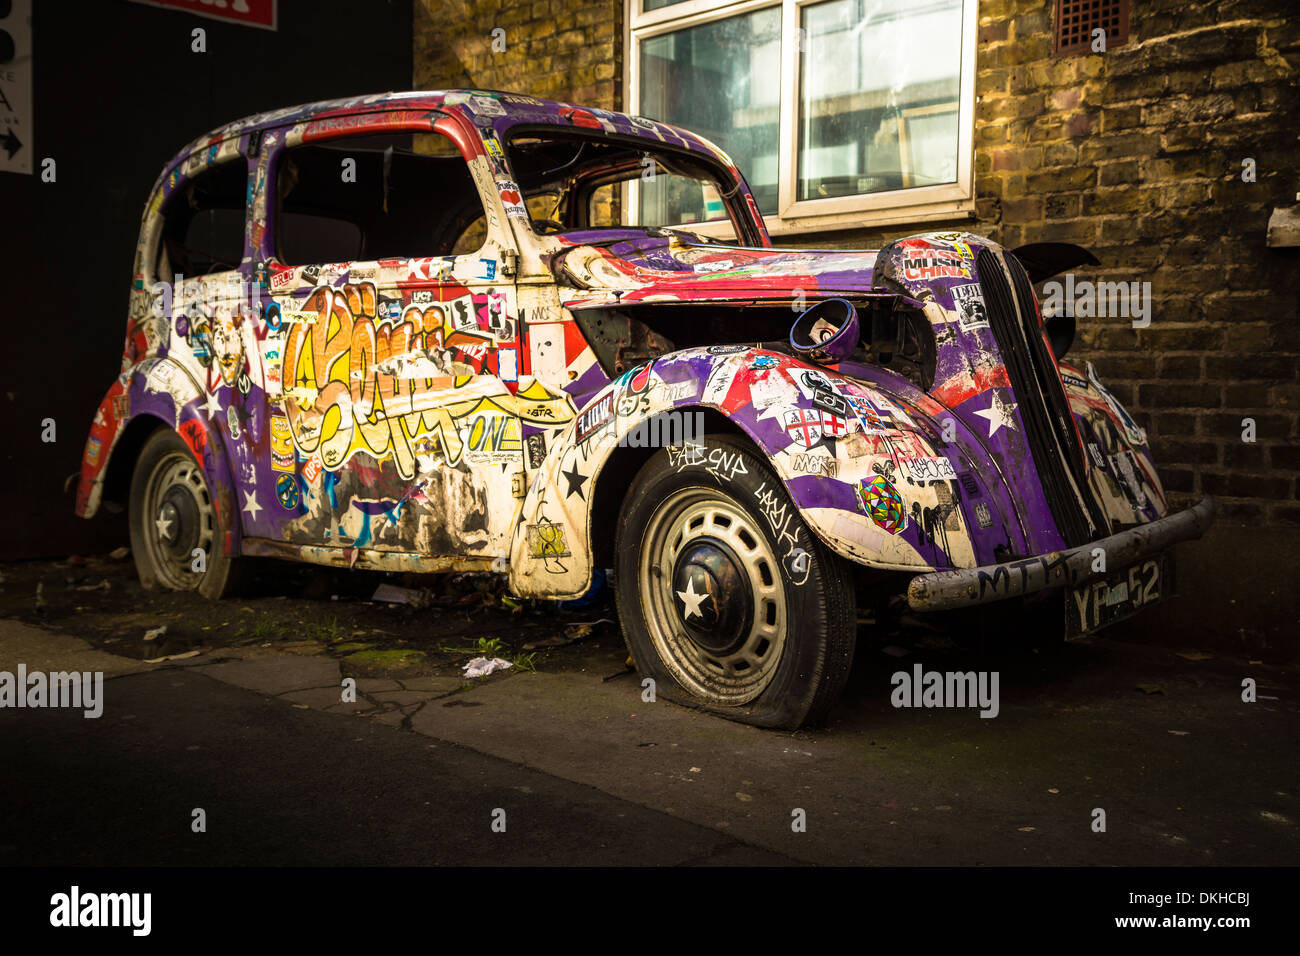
251,13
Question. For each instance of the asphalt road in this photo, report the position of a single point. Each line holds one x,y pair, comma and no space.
586,772
287,786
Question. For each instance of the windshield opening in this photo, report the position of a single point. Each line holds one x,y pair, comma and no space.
573,181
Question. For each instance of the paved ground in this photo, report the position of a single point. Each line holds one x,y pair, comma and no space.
586,772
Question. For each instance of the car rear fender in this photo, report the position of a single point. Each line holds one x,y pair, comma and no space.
161,391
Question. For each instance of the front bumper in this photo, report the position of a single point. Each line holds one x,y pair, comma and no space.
941,590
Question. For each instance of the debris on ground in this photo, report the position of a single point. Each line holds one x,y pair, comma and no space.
1194,655
393,594
120,554
574,632
155,632
273,613
482,666
185,655
1150,688
936,642
555,640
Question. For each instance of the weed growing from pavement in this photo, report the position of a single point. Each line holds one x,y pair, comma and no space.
525,662
486,647
264,629
327,631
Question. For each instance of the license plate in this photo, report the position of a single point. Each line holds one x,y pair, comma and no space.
1113,597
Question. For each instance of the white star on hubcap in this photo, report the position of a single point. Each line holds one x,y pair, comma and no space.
998,414
691,600
164,526
250,504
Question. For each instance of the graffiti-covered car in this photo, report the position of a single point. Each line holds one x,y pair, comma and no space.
478,331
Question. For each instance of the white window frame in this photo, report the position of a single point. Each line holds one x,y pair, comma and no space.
897,206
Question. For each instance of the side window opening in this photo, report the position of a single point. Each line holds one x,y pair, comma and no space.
375,196
203,223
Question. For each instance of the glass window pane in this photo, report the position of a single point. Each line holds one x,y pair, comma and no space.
722,80
668,200
648,5
879,85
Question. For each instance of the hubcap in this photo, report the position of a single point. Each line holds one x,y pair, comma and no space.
712,595
183,519
178,521
717,603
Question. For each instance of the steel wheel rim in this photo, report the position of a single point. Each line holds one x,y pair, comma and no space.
178,491
737,675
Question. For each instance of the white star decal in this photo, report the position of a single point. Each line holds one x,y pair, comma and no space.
211,406
250,504
998,414
691,600
164,526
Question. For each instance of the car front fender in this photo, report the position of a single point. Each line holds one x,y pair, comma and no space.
837,468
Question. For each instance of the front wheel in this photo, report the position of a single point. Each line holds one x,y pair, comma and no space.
726,598
177,538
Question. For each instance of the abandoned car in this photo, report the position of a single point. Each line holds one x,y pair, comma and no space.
440,331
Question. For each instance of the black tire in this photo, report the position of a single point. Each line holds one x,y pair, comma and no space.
785,662
172,512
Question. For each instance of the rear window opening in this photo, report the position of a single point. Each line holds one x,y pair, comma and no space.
203,223
376,196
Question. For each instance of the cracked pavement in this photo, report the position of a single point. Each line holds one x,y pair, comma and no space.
588,773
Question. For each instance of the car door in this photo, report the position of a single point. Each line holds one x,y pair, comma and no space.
394,429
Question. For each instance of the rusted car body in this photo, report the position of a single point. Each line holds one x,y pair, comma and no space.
509,355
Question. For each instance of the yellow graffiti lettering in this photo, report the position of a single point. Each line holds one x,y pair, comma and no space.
395,389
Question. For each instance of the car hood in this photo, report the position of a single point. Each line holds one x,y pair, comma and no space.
647,269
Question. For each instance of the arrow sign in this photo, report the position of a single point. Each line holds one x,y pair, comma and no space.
16,146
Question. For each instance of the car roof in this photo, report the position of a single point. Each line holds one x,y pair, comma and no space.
497,109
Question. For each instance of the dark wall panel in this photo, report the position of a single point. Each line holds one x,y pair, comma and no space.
118,90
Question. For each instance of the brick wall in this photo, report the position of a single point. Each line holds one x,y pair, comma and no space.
1137,154
568,50
1134,153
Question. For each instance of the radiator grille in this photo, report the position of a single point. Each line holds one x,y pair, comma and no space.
1040,398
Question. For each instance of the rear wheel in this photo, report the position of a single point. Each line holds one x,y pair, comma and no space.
726,599
177,537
